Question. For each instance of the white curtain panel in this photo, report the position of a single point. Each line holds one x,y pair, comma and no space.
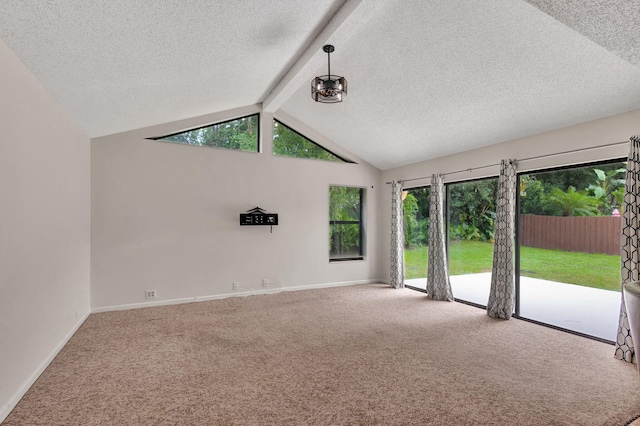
396,276
502,293
630,246
438,284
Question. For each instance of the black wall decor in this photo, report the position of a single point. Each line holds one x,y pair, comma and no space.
258,216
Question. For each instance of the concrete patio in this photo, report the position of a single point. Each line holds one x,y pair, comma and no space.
583,309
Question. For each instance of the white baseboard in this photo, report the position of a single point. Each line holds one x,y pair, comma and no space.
13,401
271,290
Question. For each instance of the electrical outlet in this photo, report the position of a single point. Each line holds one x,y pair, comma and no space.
265,282
150,294
236,285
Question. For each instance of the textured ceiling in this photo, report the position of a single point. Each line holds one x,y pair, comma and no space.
426,78
614,24
119,65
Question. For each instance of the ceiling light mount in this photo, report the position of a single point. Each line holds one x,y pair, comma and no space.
329,89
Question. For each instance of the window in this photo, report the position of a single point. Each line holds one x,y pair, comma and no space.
415,203
569,247
239,134
567,253
345,223
471,217
289,143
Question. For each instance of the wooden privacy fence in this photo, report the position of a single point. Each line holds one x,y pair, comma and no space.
587,234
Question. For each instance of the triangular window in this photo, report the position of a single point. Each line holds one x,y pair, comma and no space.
241,134
289,143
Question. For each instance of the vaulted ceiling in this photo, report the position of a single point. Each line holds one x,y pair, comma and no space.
426,78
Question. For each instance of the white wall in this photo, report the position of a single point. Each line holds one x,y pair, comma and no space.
44,228
165,216
605,131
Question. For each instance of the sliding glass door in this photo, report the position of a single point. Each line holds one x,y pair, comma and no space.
568,234
569,247
471,217
415,202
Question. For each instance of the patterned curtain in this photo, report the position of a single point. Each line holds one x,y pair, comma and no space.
502,294
438,284
630,244
396,276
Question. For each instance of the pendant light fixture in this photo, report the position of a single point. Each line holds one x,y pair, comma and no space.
329,89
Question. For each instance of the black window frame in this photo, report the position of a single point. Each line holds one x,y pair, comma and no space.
517,271
359,222
341,158
217,123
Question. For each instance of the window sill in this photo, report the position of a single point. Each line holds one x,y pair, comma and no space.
346,259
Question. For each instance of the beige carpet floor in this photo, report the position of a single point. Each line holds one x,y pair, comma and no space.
359,355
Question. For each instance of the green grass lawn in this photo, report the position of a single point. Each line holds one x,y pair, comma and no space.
469,257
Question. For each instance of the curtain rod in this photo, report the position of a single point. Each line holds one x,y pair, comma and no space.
523,159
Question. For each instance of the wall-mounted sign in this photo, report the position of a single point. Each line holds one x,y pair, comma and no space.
258,216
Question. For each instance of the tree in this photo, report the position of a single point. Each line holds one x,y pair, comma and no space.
531,195
289,143
608,189
415,207
571,203
415,230
240,134
472,207
604,184
579,177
